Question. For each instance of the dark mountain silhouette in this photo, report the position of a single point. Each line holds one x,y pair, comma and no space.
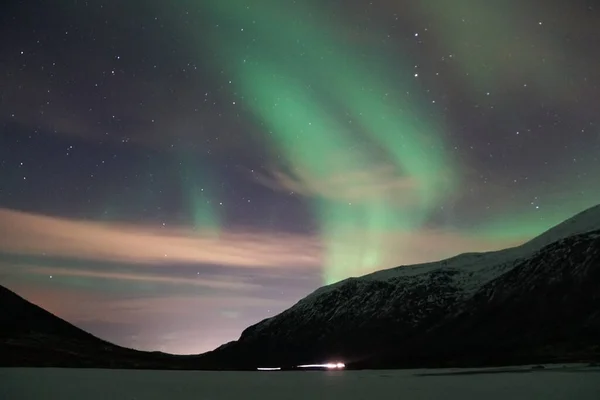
31,336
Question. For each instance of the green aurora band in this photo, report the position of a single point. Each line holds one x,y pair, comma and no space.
303,86
352,134
199,189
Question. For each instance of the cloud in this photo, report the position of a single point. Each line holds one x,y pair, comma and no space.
275,253
228,283
31,234
378,182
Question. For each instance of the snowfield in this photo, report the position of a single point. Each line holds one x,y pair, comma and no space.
553,382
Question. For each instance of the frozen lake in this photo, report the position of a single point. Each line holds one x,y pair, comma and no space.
572,382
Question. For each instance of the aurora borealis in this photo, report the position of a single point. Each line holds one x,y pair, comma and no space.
298,82
171,174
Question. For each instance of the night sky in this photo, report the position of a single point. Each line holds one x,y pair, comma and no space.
173,172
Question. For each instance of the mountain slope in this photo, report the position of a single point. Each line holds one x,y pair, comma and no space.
33,337
545,309
412,316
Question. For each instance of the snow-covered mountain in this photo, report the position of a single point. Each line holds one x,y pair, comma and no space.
413,315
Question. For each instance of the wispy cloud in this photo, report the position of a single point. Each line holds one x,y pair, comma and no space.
220,283
361,185
31,234
24,234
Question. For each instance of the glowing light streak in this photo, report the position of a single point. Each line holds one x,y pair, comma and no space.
338,365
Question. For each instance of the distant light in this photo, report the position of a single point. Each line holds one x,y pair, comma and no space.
269,369
338,365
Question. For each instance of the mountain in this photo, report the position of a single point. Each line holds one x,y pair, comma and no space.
32,337
539,302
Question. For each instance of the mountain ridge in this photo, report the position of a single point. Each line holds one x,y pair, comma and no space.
372,303
31,336
582,222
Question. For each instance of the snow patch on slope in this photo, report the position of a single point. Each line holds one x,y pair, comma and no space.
584,222
476,269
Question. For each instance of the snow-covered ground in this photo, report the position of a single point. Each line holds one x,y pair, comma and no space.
572,382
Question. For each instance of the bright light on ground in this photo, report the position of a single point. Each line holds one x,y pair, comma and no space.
338,365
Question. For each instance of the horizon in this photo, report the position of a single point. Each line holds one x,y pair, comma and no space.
173,175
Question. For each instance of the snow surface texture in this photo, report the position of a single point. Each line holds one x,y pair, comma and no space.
554,383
